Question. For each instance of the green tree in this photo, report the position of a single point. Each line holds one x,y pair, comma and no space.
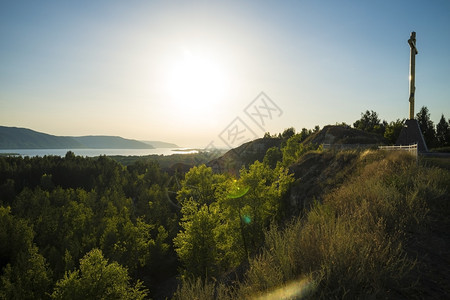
131,244
247,206
393,130
7,190
262,203
195,244
61,221
27,278
77,228
47,182
443,132
219,234
427,126
24,272
272,157
295,148
370,122
98,279
287,133
111,174
199,183
15,235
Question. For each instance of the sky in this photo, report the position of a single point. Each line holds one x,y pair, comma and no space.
202,73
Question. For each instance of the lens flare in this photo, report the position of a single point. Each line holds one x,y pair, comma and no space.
297,289
237,190
247,219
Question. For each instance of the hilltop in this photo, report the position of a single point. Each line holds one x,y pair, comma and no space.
344,135
332,135
244,155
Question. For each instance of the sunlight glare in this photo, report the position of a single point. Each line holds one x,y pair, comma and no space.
196,83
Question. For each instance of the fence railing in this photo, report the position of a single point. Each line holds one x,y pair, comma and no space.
410,148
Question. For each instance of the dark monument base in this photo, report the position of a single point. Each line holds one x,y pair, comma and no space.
411,134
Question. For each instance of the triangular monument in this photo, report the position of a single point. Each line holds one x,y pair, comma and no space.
411,133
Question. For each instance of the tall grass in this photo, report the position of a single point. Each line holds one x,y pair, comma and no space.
199,289
342,256
352,245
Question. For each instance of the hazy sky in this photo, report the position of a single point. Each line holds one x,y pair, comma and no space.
183,71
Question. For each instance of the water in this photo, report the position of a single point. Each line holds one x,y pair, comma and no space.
98,152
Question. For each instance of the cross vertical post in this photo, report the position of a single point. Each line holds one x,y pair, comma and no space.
412,73
411,133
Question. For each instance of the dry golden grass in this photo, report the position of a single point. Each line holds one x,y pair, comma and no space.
352,245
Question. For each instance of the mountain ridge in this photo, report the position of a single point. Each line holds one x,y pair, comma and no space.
25,138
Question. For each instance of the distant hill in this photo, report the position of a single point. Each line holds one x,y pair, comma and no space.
110,142
23,138
158,144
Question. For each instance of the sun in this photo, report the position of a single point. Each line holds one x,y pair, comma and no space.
196,83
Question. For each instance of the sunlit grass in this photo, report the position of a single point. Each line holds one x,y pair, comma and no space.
352,244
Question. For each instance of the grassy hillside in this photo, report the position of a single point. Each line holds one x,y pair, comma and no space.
318,173
333,135
380,231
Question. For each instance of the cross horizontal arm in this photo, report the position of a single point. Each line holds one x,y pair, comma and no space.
412,42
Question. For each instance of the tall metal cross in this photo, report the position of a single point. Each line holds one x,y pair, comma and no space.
412,73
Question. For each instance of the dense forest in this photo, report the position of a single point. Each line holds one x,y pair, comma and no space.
66,220
301,221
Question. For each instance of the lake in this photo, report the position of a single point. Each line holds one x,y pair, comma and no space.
98,152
